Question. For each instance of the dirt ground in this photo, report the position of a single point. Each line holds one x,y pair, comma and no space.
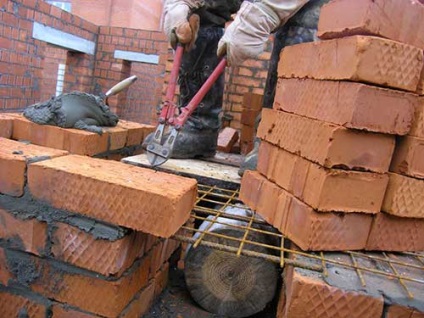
175,301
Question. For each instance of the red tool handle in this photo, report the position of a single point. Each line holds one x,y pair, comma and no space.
192,105
167,110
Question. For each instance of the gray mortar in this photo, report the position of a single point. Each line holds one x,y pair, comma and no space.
23,268
376,285
27,207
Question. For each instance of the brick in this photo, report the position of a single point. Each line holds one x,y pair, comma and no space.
136,132
12,305
308,295
252,101
417,129
161,279
141,303
5,275
352,105
393,19
6,126
392,233
408,158
396,311
78,288
327,144
404,197
321,188
248,117
357,58
28,235
307,228
14,157
76,247
117,137
59,311
420,90
227,138
141,199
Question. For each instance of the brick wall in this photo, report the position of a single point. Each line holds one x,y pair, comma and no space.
53,57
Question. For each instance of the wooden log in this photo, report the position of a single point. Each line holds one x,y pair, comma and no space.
223,283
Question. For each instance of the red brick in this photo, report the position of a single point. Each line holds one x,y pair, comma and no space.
327,144
396,311
393,19
29,235
136,132
5,275
357,58
420,90
141,304
14,157
161,279
417,128
117,137
90,293
6,125
76,247
408,158
59,311
141,199
248,117
352,105
226,139
392,233
321,188
308,295
307,228
12,305
252,101
404,197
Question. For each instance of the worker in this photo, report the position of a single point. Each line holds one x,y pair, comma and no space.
206,42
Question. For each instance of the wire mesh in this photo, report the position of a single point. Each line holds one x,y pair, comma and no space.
215,205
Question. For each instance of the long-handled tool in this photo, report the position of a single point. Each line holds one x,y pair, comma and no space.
160,150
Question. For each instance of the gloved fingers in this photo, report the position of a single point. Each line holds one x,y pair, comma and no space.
194,22
222,48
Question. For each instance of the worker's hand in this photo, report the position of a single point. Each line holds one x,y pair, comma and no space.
179,24
246,36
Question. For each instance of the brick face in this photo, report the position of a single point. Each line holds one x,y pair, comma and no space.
357,58
327,144
352,105
141,199
6,126
408,158
12,305
380,18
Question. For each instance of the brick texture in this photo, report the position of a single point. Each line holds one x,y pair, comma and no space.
321,188
404,197
142,199
29,235
308,229
135,132
6,126
408,158
392,233
82,249
396,311
141,304
327,144
309,296
393,19
12,305
14,157
417,128
227,139
420,90
357,58
352,105
59,311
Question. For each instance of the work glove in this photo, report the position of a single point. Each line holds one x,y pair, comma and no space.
179,24
245,37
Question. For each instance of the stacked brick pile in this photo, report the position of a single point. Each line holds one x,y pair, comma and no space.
341,162
81,236
251,108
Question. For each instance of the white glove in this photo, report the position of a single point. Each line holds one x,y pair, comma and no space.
246,36
176,21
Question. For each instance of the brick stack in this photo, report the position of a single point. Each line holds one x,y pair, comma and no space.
328,142
83,237
330,175
251,108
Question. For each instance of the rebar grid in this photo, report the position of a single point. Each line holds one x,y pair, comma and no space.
211,206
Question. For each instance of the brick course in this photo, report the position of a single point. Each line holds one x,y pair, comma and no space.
393,19
137,198
408,158
357,58
327,144
352,105
6,125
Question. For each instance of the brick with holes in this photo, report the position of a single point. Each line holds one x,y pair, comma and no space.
141,199
14,158
357,58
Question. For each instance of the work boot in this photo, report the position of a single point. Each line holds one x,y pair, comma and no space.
301,28
199,135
